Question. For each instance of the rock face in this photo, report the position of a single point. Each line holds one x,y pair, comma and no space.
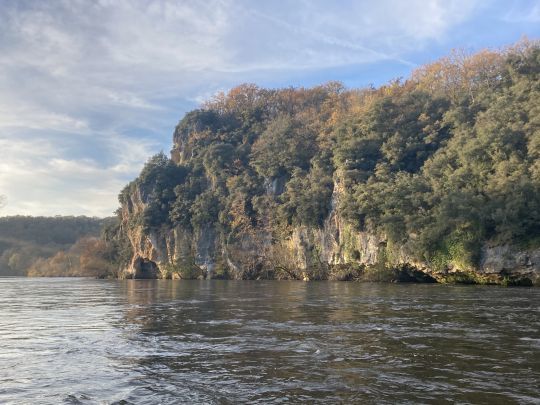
510,262
334,251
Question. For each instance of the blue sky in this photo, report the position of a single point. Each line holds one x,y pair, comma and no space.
90,89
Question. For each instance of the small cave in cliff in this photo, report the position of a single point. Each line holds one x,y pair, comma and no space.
410,274
145,268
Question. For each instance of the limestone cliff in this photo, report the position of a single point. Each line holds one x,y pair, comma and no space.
433,178
335,251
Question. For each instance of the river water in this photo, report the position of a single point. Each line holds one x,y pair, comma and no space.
83,341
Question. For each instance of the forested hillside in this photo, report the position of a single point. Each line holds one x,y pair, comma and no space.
431,171
48,246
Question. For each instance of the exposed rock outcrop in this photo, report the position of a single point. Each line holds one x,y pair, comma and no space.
334,251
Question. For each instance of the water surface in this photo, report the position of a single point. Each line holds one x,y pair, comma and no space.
83,341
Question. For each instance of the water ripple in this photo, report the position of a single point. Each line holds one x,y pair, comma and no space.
80,341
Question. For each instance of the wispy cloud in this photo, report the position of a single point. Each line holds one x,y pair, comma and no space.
90,89
43,178
524,12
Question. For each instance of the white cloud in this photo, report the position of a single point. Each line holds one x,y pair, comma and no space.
39,178
90,89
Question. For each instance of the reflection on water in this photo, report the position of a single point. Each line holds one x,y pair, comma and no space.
94,341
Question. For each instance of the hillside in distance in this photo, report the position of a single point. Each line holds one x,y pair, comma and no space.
50,246
436,177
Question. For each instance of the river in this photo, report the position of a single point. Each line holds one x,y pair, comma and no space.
84,341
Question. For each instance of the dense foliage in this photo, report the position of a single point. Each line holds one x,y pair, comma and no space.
441,163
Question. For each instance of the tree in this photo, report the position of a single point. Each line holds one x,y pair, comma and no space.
283,146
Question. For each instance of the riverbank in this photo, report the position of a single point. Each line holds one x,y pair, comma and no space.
358,273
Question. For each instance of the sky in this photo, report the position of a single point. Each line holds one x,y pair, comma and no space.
90,89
